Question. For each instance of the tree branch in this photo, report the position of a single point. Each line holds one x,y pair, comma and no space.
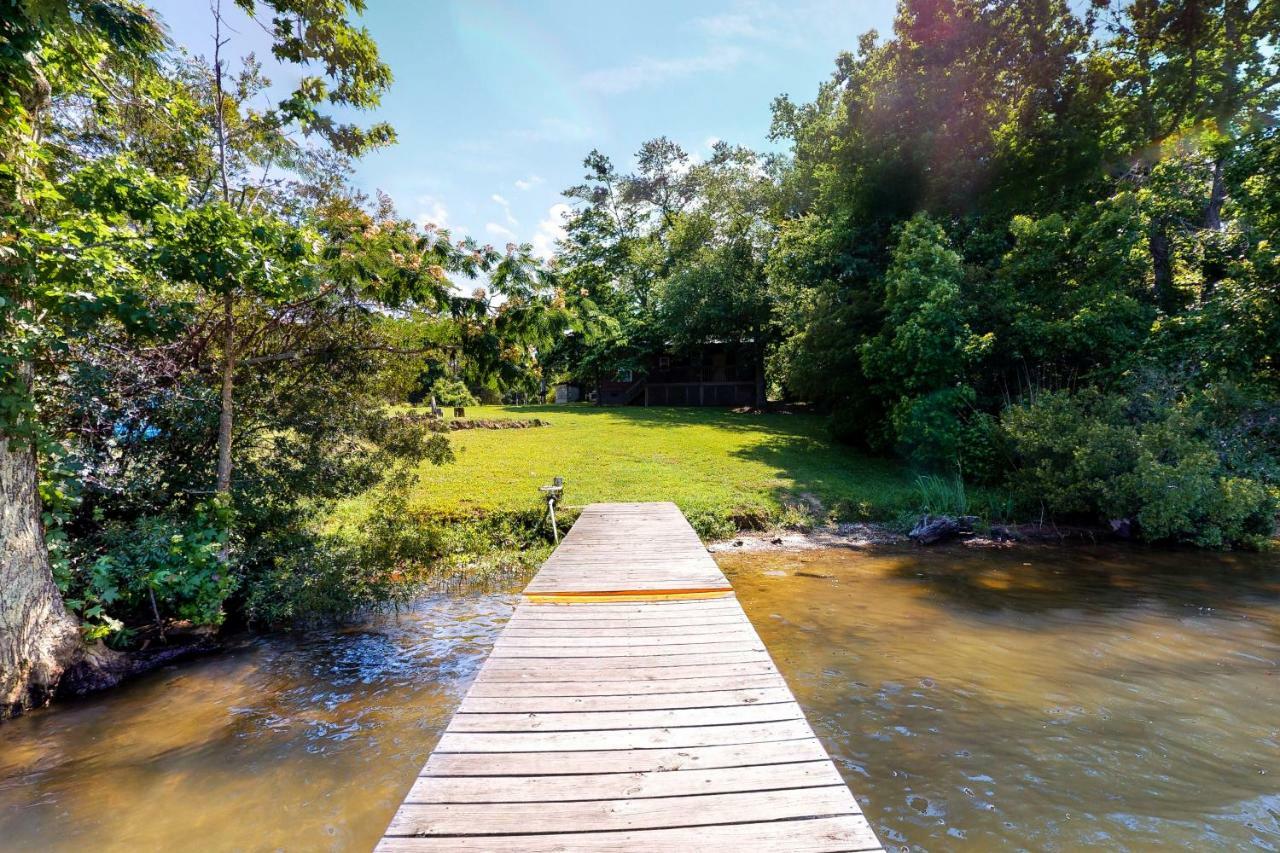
292,355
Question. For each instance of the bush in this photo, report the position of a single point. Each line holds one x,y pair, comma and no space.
155,568
1154,463
712,524
1067,449
931,428
1181,490
393,554
489,395
451,392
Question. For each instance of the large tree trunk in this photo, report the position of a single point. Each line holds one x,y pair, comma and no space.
1217,196
225,414
1161,248
38,638
762,393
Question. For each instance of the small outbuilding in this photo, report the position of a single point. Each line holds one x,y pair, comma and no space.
566,393
714,374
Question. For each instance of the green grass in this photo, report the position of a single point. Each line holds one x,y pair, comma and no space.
709,461
942,495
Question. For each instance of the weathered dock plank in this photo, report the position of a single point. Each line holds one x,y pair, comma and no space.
629,705
617,814
532,765
819,835
724,780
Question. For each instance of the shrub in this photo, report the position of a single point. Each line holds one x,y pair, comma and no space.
451,392
711,524
984,450
488,394
158,567
1154,462
931,428
1067,449
391,556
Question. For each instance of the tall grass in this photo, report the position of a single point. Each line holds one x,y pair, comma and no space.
938,495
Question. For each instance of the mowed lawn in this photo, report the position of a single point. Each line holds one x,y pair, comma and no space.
703,459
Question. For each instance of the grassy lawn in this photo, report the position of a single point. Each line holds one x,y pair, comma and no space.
706,460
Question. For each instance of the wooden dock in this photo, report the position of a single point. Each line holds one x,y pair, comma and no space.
629,705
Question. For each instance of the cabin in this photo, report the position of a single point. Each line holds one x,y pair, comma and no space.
713,374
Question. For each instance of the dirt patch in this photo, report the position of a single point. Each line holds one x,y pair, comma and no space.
858,535
849,535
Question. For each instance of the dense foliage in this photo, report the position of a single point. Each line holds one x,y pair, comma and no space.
203,323
1028,245
1031,243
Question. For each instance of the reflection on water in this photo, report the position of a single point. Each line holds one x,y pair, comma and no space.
299,743
1043,699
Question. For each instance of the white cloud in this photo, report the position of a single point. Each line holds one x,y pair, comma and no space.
730,39
506,208
648,71
771,23
431,211
550,230
526,184
500,231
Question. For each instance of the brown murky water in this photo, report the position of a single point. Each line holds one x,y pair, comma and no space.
294,743
1039,699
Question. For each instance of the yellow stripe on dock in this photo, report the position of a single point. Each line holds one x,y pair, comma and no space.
629,704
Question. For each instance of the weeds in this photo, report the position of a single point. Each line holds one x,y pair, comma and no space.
938,495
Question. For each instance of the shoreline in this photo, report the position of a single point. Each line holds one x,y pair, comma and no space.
136,663
847,535
856,535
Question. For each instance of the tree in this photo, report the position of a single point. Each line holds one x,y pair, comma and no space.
920,358
1195,80
39,640
149,233
716,288
671,256
604,264
1093,183
303,32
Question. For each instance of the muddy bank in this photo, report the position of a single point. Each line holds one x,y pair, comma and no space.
833,536
863,535
103,668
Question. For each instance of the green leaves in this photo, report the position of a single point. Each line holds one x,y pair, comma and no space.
224,250
1151,461
926,343
318,33
173,560
80,255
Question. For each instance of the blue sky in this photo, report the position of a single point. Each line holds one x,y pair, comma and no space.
497,102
